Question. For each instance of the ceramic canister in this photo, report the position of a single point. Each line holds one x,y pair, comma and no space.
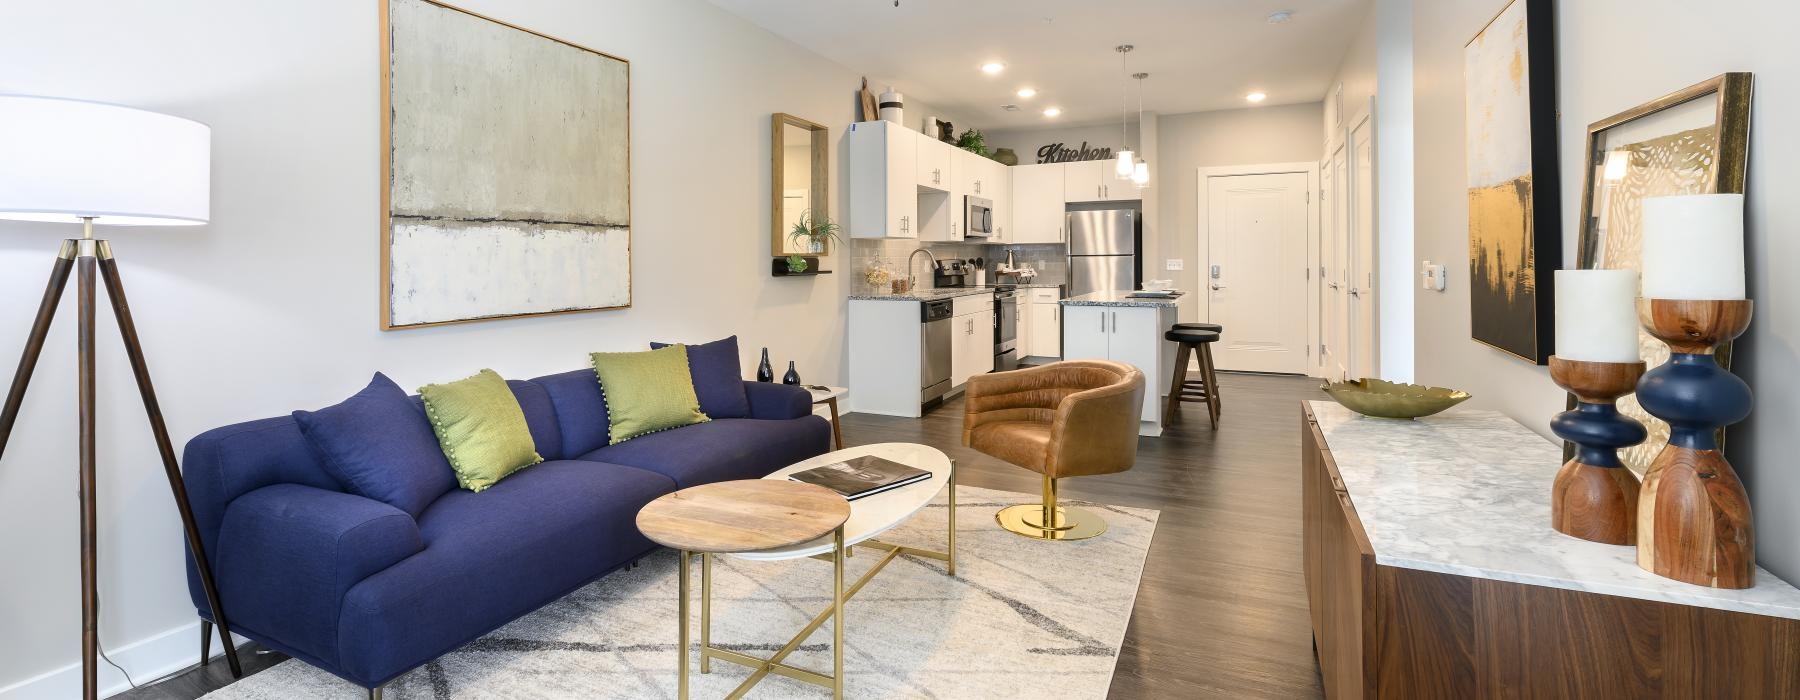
892,106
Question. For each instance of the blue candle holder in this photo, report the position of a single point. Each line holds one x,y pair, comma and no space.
1694,521
1594,496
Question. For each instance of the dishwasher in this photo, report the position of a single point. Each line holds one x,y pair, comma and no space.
934,351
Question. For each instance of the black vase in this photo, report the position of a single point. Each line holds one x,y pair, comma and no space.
792,378
765,373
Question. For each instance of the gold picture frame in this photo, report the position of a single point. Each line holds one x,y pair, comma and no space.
386,292
1695,140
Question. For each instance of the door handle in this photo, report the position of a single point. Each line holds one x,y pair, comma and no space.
1332,285
1217,287
1356,293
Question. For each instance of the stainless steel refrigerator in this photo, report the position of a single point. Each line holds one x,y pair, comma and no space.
1102,250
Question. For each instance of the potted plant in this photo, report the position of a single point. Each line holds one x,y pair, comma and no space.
815,234
973,141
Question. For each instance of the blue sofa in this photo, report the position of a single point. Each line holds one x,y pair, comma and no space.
364,590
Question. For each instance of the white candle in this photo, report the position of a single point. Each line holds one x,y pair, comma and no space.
1596,315
1694,247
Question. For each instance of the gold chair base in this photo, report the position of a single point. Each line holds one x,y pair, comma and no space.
1071,523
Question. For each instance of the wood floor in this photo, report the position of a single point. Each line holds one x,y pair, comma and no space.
1221,611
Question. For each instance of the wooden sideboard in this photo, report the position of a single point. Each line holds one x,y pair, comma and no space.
1455,618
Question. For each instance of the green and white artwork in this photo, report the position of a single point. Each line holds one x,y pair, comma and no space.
508,159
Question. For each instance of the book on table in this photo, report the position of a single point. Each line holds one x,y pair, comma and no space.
860,477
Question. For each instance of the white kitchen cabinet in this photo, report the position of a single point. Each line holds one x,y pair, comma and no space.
1129,334
1037,203
934,170
971,344
884,200
1095,181
1003,209
1042,336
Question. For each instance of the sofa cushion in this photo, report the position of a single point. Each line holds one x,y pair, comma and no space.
718,377
580,410
647,391
721,450
481,428
491,557
379,445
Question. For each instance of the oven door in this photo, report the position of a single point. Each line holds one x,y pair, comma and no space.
1006,324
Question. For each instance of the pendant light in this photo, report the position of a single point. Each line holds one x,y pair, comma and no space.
1140,171
1126,158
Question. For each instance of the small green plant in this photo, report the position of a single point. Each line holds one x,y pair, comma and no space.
796,263
816,231
973,141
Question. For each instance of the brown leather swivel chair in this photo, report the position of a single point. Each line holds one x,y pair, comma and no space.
1064,419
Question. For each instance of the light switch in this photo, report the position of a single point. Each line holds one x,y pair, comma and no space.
1172,264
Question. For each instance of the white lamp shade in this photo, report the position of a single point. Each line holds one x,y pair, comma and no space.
62,160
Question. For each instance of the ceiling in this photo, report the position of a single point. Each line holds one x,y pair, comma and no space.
1200,54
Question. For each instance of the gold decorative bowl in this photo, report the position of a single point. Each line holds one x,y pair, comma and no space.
1384,399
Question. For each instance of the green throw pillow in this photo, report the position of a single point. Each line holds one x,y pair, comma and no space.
481,428
647,391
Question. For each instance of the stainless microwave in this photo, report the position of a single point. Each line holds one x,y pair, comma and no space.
978,217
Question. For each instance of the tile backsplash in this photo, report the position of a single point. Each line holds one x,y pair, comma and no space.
865,253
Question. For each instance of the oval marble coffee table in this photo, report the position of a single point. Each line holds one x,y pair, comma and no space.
746,516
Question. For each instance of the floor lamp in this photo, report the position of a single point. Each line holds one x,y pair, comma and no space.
69,161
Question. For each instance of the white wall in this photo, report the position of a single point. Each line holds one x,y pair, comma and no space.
1396,290
1605,66
273,306
1177,146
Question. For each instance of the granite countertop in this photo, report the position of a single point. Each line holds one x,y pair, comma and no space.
936,294
1117,298
925,294
1467,492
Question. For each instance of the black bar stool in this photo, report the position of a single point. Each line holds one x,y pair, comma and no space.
1195,339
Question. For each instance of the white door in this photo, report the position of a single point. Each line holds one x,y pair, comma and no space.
1037,196
1256,279
1360,316
1328,265
1338,275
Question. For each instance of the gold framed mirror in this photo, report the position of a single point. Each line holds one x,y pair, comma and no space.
800,162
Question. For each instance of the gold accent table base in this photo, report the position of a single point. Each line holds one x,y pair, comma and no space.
776,664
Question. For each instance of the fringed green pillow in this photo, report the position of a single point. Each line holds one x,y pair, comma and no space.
647,391
481,428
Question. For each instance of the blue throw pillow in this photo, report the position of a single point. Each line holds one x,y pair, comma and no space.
379,445
718,378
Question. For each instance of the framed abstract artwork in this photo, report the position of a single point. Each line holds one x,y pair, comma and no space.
1515,231
1692,141
506,170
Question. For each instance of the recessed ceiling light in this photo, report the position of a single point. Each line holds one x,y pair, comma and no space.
1280,16
1052,111
1027,92
993,67
1256,97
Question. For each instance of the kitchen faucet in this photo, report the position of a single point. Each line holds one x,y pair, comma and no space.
912,282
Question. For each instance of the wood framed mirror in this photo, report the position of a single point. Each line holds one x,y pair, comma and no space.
800,162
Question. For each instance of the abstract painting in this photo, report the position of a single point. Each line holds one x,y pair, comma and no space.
506,170
1510,144
1694,141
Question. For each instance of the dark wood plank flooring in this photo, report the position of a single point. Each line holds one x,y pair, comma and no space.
1221,611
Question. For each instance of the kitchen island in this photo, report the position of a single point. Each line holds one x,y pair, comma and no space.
1114,326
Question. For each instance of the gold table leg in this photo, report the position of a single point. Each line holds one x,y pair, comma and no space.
682,608
705,609
840,595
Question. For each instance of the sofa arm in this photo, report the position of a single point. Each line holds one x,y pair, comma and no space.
770,401
288,553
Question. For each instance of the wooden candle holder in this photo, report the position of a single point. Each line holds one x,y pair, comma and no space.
1693,514
1594,496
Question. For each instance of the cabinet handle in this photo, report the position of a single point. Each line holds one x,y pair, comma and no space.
1115,316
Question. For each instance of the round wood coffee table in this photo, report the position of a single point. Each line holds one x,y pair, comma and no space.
748,516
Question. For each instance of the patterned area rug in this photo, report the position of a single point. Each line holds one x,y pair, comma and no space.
1023,618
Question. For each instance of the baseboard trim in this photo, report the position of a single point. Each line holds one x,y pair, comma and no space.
147,659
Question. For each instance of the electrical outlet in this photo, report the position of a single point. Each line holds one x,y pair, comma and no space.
1172,264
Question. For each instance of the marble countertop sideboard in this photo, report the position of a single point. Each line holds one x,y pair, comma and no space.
1467,492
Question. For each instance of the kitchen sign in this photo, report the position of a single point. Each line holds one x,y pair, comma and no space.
1059,153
